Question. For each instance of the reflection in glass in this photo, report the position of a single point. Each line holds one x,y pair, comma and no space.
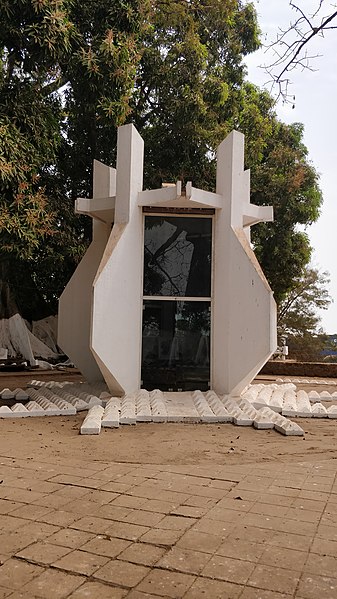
176,348
177,256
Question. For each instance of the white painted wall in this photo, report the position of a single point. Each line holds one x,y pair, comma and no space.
117,301
75,303
244,312
74,322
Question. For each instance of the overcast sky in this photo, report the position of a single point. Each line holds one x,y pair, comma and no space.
315,107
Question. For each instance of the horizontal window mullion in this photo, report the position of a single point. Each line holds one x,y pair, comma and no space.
176,298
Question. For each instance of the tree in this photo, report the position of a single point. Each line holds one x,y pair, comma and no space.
173,68
298,319
291,45
46,46
285,179
297,313
189,77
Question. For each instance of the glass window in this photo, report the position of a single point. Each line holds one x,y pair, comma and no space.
177,256
176,348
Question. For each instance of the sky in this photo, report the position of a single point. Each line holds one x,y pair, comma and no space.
316,107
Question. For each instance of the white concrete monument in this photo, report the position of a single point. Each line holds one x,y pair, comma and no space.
169,294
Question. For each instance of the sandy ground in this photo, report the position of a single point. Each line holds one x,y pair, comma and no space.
162,443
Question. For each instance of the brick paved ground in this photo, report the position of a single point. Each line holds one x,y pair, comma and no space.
100,530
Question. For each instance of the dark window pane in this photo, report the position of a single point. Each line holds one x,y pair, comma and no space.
176,347
177,256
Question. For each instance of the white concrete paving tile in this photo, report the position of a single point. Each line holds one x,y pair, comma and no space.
143,406
20,394
34,408
289,428
276,400
289,407
303,405
325,395
262,421
5,412
204,410
218,407
239,418
19,410
7,394
319,411
314,396
91,400
158,407
128,410
110,417
332,412
93,421
77,402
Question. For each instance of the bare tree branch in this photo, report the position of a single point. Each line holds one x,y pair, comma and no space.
290,46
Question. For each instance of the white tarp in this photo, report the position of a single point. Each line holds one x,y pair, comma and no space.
16,337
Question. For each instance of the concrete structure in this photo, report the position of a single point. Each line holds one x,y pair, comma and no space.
107,301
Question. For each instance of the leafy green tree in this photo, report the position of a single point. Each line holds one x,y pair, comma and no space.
189,77
72,71
285,179
90,51
298,318
297,313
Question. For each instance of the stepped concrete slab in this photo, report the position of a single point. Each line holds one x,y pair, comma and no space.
93,421
7,394
204,410
34,409
319,411
303,405
289,407
218,407
276,400
91,400
314,396
143,407
110,417
78,403
158,407
48,406
128,410
5,412
247,407
20,394
263,421
236,413
19,411
332,412
289,428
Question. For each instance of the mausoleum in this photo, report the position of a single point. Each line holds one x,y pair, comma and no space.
169,294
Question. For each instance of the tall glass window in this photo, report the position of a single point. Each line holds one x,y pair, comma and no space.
176,332
177,256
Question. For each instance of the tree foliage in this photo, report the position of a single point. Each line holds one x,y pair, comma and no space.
285,179
72,71
90,50
298,316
